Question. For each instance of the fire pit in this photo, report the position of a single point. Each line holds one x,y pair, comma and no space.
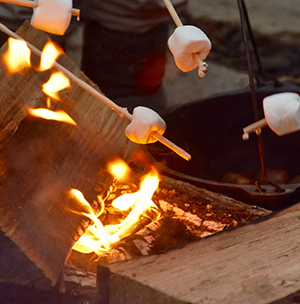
211,131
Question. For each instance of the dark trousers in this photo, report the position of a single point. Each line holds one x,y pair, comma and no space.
127,67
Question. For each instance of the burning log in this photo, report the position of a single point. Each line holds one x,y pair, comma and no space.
41,160
187,214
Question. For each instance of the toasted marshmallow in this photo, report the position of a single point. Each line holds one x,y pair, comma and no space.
144,122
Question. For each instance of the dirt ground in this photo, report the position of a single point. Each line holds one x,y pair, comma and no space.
276,28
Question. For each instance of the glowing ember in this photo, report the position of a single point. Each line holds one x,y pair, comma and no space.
50,53
52,115
98,238
17,56
57,82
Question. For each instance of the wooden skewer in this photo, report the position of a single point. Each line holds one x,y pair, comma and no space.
34,4
255,127
121,111
202,65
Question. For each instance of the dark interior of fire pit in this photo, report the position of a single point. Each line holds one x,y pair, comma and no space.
211,131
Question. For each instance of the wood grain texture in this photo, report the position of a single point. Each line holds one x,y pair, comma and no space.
256,263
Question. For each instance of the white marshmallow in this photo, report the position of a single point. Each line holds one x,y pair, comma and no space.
52,16
282,112
186,41
144,121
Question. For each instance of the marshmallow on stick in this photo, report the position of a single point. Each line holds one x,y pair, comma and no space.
52,16
188,44
101,97
282,115
282,112
144,121
34,4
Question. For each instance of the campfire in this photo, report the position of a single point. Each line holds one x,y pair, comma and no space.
76,194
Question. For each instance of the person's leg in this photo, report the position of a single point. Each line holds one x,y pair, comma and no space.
12,16
127,67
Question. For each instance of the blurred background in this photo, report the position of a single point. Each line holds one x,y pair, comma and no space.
276,28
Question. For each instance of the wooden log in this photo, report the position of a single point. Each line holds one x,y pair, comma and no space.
256,263
41,160
188,213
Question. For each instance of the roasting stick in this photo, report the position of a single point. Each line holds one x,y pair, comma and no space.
202,65
255,127
34,4
121,111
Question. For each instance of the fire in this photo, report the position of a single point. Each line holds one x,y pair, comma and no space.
17,56
138,205
50,53
57,82
52,115
95,239
119,169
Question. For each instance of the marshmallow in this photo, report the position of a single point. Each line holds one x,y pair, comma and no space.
52,16
144,121
184,43
282,112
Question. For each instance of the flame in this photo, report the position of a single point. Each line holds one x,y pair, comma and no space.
98,238
95,239
49,55
57,82
118,168
48,102
52,115
17,56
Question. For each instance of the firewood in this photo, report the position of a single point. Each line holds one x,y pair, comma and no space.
188,213
41,160
256,263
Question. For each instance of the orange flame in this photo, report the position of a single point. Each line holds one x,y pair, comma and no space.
57,82
52,115
119,169
17,56
98,238
49,55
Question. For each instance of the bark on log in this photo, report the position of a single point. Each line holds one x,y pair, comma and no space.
41,160
257,263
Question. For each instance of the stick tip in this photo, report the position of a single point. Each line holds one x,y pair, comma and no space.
245,136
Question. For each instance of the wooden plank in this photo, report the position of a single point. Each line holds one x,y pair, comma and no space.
41,160
256,263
